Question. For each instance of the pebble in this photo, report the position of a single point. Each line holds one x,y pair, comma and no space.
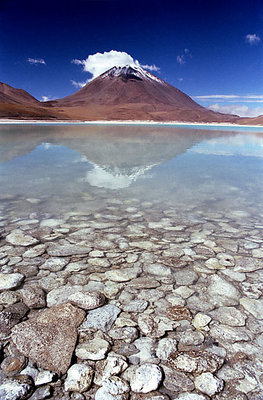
201,321
79,378
87,301
16,388
102,318
166,347
114,364
113,388
44,377
19,238
222,293
146,378
209,384
10,281
95,349
254,307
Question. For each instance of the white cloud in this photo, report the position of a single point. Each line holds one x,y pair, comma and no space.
238,109
181,59
47,98
79,84
98,63
232,97
36,61
252,38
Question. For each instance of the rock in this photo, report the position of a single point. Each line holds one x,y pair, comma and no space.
253,306
224,333
143,283
146,378
61,294
102,318
19,238
66,250
113,365
55,264
8,298
247,264
16,388
95,349
121,275
13,364
146,353
128,334
137,306
190,338
10,281
155,395
87,301
258,253
44,377
195,361
157,269
176,381
79,378
33,296
35,251
10,317
42,393
201,321
113,388
209,384
190,396
185,277
229,316
222,293
49,338
166,347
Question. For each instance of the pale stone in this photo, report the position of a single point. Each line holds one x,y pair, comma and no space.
128,334
166,346
19,238
87,301
191,396
229,316
95,349
10,281
258,253
254,307
247,264
54,264
114,364
146,378
157,269
229,334
113,388
209,384
137,306
44,377
79,378
146,347
222,293
201,321
121,275
102,318
16,388
35,251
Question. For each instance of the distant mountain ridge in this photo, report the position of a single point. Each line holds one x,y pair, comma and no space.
121,93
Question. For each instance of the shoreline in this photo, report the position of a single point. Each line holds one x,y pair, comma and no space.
127,122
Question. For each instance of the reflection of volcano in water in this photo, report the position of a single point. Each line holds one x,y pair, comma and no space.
118,155
115,178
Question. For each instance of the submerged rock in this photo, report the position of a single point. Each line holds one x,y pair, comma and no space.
49,338
79,378
102,318
146,378
19,238
16,388
10,281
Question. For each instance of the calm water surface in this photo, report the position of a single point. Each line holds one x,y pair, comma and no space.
57,169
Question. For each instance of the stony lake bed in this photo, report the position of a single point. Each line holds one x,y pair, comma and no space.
131,268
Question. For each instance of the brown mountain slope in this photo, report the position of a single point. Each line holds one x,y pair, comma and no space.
252,121
133,93
10,95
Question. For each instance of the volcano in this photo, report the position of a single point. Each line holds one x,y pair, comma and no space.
121,93
131,93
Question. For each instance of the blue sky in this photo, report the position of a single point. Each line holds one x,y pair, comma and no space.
205,48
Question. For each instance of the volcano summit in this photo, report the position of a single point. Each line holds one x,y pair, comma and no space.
121,93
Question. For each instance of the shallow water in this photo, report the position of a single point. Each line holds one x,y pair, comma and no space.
166,223
80,167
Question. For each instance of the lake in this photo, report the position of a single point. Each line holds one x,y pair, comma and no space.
165,221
